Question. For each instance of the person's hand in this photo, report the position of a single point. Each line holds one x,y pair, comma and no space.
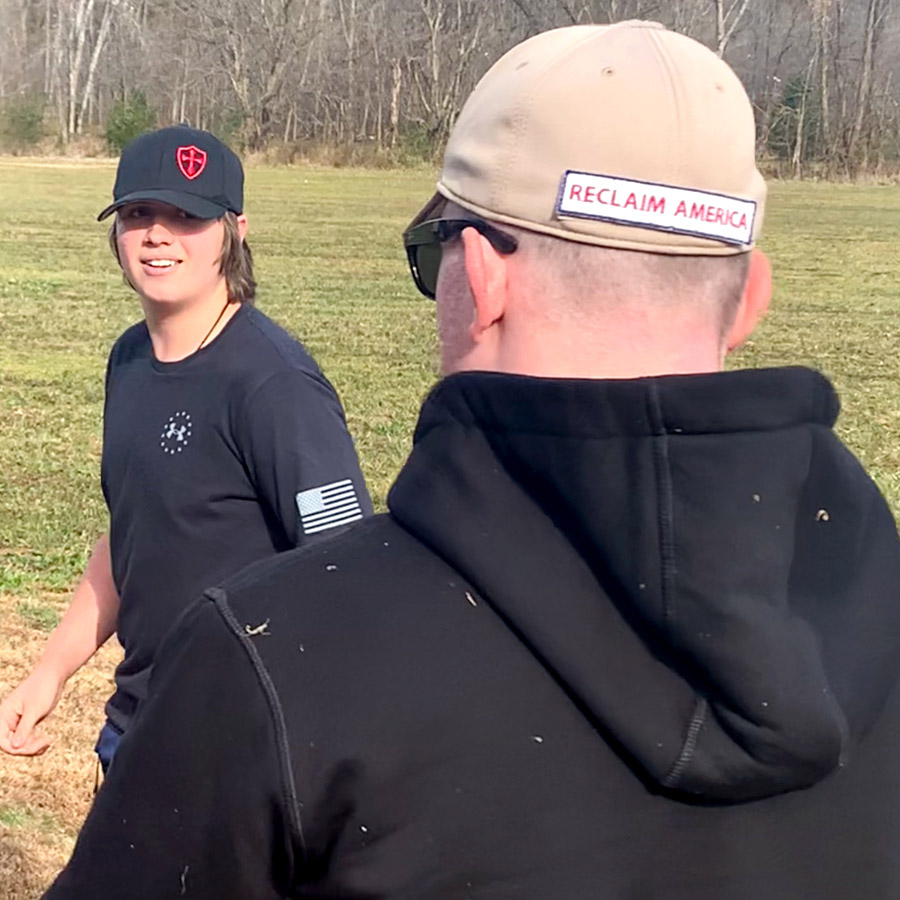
24,709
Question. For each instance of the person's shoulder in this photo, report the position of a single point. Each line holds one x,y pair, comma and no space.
358,548
135,336
321,613
269,368
133,343
374,558
275,346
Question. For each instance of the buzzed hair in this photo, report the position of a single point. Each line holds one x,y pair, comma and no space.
585,274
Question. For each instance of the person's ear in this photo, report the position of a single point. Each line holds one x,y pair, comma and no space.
487,275
755,300
242,226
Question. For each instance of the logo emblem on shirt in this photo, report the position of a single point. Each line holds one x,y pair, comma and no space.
191,161
328,506
176,433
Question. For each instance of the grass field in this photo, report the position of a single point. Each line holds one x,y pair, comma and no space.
328,257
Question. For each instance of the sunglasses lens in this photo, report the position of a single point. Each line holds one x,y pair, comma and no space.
428,262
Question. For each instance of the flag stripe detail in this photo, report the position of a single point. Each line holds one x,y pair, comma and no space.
328,506
344,521
315,518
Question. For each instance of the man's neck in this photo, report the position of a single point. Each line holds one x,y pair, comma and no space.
177,332
681,349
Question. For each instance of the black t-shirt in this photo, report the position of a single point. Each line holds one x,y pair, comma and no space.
210,463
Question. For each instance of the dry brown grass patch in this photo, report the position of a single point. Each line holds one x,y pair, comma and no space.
43,801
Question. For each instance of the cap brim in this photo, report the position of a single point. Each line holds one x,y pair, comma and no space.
429,210
190,203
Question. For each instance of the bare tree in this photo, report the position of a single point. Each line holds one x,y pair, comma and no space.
728,17
857,150
823,74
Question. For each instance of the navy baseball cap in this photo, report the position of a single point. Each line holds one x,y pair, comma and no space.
185,167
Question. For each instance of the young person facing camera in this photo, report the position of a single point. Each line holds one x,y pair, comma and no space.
223,442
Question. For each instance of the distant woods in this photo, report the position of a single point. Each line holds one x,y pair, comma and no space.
362,80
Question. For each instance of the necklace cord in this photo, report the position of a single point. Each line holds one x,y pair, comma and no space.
211,330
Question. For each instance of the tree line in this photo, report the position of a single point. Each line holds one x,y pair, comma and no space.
388,76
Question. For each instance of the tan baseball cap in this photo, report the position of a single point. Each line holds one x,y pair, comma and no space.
625,135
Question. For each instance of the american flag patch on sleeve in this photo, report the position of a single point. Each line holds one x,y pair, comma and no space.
328,506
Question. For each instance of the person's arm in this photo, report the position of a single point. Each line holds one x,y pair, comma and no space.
301,457
85,627
194,804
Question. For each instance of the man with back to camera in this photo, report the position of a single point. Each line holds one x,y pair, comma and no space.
223,442
630,629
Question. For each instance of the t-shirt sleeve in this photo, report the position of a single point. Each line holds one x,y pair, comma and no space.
301,457
194,805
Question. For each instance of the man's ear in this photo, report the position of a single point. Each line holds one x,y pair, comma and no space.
487,275
754,302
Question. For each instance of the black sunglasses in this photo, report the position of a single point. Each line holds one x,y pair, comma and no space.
424,241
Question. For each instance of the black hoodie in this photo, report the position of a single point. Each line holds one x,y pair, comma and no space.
615,640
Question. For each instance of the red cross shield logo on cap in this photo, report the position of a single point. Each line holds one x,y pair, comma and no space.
191,161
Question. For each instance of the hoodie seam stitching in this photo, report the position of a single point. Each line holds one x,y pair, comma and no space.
690,745
665,519
664,504
220,598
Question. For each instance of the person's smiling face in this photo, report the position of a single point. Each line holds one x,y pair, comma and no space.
169,256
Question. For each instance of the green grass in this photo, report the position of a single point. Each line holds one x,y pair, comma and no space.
38,615
331,269
19,817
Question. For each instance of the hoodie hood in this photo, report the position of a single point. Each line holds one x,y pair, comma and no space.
702,566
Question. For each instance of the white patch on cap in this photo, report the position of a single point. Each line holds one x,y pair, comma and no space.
624,201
